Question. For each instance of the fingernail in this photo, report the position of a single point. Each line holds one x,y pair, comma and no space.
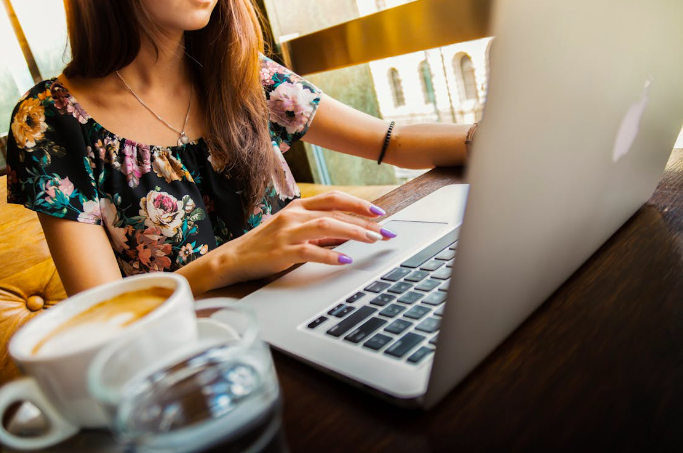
343,259
377,210
373,236
387,233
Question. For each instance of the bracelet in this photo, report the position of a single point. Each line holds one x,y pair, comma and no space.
469,138
386,142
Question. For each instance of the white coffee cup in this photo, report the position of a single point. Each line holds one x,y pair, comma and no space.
56,382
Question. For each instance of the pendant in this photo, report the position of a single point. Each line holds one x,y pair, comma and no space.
183,139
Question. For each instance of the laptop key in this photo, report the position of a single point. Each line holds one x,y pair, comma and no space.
416,276
341,310
434,299
434,340
439,311
400,288
429,325
431,265
444,287
317,322
365,330
420,354
377,287
377,342
404,344
410,297
446,255
442,274
355,297
396,275
423,255
417,312
428,285
392,310
351,321
453,246
335,308
382,299
450,263
398,326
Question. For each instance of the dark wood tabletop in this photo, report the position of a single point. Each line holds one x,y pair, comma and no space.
598,367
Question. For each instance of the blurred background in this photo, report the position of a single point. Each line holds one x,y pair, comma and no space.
410,61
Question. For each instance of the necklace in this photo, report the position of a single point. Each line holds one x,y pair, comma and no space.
182,137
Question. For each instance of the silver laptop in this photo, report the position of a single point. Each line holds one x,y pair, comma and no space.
584,104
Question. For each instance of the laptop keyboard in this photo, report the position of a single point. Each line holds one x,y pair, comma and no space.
398,315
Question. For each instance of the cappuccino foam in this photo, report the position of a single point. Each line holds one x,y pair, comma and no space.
102,321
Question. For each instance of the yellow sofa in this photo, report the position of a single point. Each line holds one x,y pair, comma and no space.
29,282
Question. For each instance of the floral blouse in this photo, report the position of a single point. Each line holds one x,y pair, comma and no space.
161,206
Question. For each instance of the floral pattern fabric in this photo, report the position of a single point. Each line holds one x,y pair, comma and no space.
161,207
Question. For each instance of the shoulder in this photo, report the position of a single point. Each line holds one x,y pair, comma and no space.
292,102
29,118
41,110
274,74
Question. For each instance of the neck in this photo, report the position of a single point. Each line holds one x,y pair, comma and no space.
151,70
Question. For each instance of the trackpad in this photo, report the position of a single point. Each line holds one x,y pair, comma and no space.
314,282
411,236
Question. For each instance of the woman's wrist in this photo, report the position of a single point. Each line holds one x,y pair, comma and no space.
211,271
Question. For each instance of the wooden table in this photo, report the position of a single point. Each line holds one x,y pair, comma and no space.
598,367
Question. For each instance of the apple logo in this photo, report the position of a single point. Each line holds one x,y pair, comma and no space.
630,125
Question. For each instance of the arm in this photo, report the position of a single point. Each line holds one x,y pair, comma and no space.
342,128
82,253
84,258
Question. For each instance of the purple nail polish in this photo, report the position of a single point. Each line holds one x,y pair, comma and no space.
377,210
387,233
343,259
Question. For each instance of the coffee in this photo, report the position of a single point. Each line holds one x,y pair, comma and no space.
103,320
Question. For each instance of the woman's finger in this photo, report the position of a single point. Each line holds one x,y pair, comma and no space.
340,201
330,228
328,242
359,221
312,253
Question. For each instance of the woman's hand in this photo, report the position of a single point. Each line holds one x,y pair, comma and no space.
298,234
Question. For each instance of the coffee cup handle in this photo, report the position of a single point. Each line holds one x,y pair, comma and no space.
26,389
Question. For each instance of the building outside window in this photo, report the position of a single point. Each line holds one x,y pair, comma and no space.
396,88
468,80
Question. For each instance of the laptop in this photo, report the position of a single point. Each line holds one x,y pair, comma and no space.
585,101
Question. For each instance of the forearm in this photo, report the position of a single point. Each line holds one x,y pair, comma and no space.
341,128
427,145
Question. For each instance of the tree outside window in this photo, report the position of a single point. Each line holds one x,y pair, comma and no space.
427,85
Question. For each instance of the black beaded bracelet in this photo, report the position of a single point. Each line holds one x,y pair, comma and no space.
386,143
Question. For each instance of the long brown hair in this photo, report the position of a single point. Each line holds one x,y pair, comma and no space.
106,35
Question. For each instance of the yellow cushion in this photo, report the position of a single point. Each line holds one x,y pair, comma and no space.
29,282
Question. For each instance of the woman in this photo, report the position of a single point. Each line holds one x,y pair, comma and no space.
189,77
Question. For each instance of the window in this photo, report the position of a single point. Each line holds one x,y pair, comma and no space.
396,88
464,68
427,85
15,77
44,25
40,26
